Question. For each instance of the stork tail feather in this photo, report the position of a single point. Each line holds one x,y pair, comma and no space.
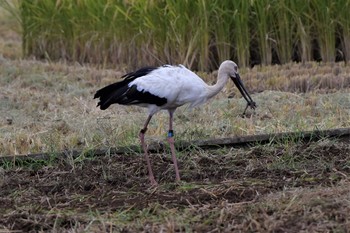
110,94
120,92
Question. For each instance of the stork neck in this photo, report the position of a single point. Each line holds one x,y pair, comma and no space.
216,88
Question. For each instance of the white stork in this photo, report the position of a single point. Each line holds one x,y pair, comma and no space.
166,88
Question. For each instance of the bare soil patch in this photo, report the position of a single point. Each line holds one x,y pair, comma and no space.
265,188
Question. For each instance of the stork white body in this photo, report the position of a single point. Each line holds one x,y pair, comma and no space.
167,88
177,84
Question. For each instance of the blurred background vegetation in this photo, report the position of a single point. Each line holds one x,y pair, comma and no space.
197,33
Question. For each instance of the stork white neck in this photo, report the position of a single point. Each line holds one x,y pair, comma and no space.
223,76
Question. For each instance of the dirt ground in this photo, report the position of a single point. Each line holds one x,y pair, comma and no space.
280,188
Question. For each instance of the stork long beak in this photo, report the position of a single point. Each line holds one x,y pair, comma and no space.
238,82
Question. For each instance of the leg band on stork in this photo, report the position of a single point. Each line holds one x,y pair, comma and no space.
170,133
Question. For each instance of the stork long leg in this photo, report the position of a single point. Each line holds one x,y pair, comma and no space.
144,148
171,141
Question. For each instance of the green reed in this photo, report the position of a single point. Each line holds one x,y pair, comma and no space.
197,33
343,25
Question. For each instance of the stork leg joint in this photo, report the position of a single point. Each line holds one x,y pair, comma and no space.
143,131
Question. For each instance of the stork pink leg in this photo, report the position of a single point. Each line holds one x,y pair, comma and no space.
171,141
144,148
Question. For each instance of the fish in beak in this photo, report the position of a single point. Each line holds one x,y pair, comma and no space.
238,82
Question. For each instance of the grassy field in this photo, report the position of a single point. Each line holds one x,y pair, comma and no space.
289,186
49,107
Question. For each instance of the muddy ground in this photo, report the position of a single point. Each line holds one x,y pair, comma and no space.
290,187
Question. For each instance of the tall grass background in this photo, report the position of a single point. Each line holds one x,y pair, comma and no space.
197,33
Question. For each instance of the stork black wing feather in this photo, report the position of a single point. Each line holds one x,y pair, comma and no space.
117,92
134,96
139,73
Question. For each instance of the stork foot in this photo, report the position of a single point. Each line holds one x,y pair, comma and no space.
154,183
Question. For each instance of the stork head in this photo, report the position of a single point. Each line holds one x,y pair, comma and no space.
231,69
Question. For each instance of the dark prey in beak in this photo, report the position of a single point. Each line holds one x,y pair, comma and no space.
238,82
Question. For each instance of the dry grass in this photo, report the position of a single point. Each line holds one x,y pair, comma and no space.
49,106
10,40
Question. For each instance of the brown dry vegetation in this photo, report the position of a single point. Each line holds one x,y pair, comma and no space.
285,187
47,107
